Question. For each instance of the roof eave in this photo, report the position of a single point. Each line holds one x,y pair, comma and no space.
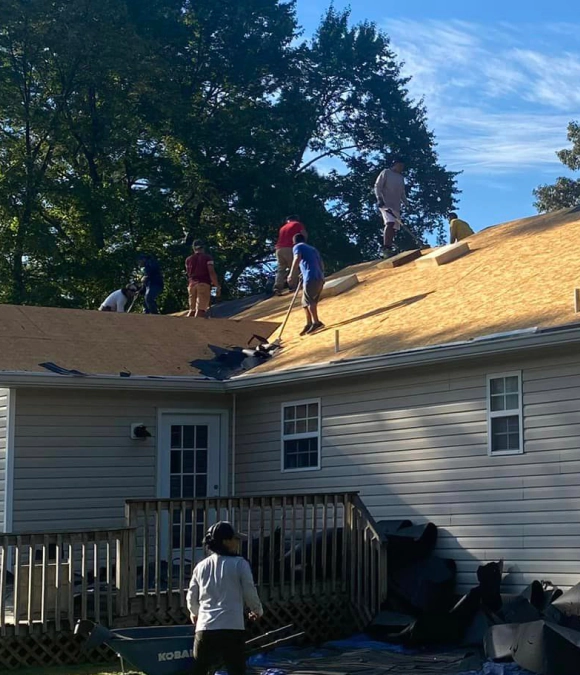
437,354
135,382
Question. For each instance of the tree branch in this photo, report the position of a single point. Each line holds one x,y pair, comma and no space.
336,151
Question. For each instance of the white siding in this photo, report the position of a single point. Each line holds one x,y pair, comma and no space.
415,447
3,445
75,464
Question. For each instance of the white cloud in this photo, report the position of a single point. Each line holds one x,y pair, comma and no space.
499,97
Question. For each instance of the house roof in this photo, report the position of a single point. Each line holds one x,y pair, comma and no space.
518,275
107,343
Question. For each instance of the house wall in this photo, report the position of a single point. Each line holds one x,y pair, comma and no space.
415,446
3,446
75,463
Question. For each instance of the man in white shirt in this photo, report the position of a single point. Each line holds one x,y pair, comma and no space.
391,195
221,589
118,300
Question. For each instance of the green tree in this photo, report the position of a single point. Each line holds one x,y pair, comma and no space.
133,125
565,192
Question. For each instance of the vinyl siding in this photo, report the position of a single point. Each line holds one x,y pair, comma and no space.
3,444
75,463
415,447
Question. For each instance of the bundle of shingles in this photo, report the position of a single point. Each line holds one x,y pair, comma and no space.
538,629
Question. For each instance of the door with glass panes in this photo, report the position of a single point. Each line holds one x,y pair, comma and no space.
189,469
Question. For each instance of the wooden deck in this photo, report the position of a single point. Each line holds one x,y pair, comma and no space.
317,560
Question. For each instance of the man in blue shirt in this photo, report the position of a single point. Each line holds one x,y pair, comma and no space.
152,281
312,270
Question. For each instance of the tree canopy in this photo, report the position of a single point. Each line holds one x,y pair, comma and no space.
138,125
565,192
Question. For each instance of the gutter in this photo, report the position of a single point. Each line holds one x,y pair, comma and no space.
141,382
414,358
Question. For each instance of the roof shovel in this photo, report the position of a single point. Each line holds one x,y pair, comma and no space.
401,224
278,341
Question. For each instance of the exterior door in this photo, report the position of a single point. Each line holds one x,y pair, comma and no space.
190,452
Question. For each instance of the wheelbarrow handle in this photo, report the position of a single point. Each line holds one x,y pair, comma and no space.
269,634
276,643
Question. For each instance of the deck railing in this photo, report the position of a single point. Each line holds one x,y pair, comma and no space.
58,578
297,545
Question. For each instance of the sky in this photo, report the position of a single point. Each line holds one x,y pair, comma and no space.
501,81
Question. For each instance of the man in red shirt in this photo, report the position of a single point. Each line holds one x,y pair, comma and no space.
201,276
284,255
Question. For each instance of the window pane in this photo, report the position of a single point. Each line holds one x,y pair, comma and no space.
497,385
512,402
176,461
301,412
301,454
289,412
175,487
201,436
313,410
511,385
289,428
301,427
188,487
313,425
188,436
201,461
497,403
188,459
201,487
505,433
175,436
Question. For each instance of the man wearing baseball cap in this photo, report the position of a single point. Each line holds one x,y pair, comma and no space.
201,276
221,589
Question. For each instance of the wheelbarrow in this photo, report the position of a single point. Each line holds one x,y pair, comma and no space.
165,650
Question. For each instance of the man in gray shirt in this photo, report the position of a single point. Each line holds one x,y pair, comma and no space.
390,193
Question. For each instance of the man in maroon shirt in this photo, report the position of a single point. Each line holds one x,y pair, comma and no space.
201,276
284,255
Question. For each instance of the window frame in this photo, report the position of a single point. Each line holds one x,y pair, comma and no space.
495,414
309,434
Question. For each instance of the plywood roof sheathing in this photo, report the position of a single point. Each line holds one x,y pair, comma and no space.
400,259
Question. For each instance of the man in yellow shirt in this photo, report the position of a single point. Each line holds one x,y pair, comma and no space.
458,229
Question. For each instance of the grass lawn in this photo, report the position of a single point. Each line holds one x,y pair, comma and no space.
72,670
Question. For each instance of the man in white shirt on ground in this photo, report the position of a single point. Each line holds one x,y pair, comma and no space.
221,589
118,300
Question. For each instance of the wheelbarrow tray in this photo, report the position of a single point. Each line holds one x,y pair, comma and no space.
157,650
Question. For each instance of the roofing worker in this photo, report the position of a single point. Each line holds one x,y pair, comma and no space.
221,589
390,193
312,268
118,300
152,281
201,276
284,246
458,229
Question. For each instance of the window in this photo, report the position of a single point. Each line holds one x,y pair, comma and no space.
301,435
504,413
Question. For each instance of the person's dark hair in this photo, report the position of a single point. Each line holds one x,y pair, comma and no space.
292,218
453,216
215,537
197,244
397,160
299,238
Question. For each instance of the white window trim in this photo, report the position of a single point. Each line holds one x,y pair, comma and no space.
283,437
505,413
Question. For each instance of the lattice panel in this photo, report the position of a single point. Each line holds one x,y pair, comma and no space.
321,619
48,649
